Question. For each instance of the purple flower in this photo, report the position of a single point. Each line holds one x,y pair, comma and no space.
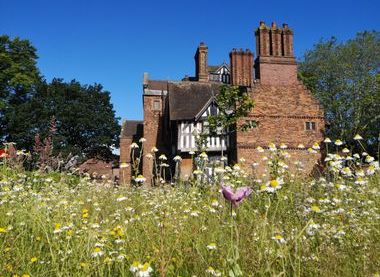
237,196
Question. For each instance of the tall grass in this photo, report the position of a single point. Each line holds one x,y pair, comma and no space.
62,225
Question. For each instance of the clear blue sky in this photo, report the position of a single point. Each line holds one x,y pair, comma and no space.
112,42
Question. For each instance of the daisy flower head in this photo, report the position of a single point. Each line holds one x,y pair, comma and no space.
140,179
272,147
123,165
162,157
338,142
279,239
134,145
211,246
177,158
97,252
260,149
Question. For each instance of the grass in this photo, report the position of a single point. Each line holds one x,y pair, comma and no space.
61,225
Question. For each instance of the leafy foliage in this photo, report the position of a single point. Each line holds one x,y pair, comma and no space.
345,77
85,119
233,103
18,76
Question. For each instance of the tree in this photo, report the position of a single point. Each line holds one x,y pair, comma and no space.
18,76
85,119
233,103
345,77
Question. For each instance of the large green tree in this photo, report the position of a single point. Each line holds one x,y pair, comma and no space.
85,119
345,77
18,76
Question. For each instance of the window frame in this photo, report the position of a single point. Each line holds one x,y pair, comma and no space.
154,102
310,126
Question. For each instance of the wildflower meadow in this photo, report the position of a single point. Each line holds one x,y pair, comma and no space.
229,223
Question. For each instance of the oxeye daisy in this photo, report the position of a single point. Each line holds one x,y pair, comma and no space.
211,246
97,252
338,142
134,145
140,179
279,239
260,149
177,158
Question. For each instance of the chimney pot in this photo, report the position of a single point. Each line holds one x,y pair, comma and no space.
285,26
274,26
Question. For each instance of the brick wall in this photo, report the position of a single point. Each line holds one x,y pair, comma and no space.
276,70
281,113
125,161
152,122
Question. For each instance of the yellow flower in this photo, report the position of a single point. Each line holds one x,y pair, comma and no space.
107,260
84,213
9,267
25,275
33,260
3,230
83,264
274,183
315,208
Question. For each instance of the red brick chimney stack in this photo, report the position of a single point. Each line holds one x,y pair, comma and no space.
276,40
287,40
241,63
262,40
201,63
275,63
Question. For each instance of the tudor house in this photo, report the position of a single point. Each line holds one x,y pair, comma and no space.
174,111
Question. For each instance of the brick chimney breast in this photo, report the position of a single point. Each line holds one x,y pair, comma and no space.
275,63
241,63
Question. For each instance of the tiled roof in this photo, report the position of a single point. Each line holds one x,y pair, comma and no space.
157,84
131,128
186,99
